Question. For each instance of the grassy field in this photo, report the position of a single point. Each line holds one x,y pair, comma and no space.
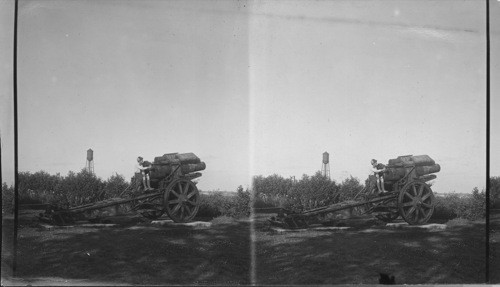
414,256
494,245
135,253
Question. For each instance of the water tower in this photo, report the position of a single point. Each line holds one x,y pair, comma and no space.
89,166
325,167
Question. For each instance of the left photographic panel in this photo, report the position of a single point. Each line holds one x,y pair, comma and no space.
133,143
7,129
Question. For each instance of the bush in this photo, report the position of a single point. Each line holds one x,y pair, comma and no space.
261,203
84,187
38,188
7,199
443,207
495,192
349,188
470,207
39,181
114,186
216,204
477,205
72,190
311,192
212,205
242,203
271,191
81,188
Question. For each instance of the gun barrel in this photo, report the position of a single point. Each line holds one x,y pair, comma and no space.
185,163
161,171
423,170
397,173
410,160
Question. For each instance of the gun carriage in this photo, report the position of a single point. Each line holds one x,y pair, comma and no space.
409,196
174,192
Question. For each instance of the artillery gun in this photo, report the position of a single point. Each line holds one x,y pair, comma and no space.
174,192
409,196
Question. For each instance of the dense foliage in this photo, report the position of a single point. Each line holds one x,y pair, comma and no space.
217,204
71,190
315,191
495,192
470,207
7,198
84,187
311,192
307,193
271,191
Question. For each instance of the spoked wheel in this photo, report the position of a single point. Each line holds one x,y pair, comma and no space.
151,208
416,202
181,200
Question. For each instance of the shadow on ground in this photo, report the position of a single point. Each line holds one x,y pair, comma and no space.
138,254
494,246
414,256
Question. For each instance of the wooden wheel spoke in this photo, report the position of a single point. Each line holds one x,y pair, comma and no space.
187,209
191,202
408,204
185,190
409,195
422,211
176,208
414,188
412,209
179,185
175,193
417,212
421,190
429,206
426,196
191,194
174,201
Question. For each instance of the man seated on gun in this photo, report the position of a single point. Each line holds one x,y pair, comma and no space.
144,171
378,170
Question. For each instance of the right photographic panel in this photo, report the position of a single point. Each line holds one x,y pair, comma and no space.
494,141
368,132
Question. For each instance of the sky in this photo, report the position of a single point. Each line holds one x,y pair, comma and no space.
252,87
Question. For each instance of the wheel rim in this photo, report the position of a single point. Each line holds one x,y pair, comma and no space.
416,203
181,200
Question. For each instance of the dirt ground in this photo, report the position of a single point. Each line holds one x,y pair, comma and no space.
137,252
455,255
134,252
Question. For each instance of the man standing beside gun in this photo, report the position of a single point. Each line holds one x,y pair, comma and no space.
378,170
144,171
